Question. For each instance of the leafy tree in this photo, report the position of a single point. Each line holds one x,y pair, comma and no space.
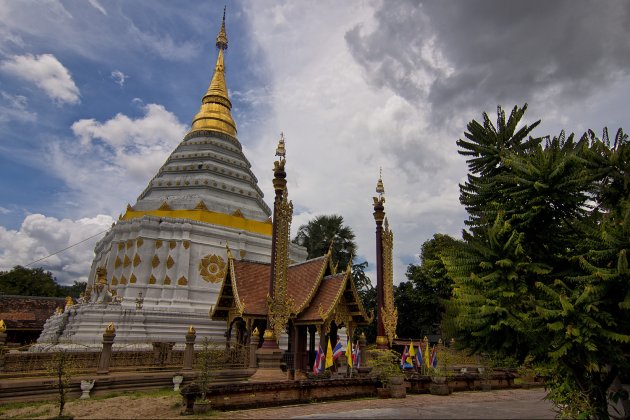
543,270
421,300
36,282
316,236
367,292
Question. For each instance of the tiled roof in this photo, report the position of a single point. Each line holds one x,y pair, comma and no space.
28,312
329,289
303,279
252,286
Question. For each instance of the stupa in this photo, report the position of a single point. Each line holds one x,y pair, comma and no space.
160,267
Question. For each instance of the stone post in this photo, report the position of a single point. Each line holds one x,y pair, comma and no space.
189,351
3,340
106,353
253,346
364,369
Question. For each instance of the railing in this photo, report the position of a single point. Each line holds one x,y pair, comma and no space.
162,357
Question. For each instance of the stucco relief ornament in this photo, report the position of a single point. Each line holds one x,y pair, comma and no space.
212,268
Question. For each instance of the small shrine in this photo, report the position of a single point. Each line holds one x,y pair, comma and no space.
299,298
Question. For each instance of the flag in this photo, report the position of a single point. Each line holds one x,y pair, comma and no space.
349,355
356,356
434,358
419,357
404,364
412,354
427,356
337,351
318,366
329,355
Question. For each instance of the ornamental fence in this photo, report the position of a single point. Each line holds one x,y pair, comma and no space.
150,356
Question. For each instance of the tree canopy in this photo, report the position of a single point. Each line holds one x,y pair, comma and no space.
35,282
322,231
543,269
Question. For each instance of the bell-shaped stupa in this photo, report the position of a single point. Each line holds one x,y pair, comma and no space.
160,268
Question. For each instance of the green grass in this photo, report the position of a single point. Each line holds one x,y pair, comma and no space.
4,407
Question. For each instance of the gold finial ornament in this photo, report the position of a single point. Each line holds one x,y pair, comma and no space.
281,149
256,333
215,113
69,301
191,330
111,329
380,188
268,335
222,41
3,326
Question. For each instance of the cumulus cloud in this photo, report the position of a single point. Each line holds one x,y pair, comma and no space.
340,129
119,77
112,161
478,53
47,73
40,236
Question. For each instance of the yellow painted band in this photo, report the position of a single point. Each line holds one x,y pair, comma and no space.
205,216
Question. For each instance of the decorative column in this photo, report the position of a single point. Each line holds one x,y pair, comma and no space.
280,305
387,312
189,351
106,353
379,216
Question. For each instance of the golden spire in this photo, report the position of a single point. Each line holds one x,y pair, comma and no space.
214,113
380,189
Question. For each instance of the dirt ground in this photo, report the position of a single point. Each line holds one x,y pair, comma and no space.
120,407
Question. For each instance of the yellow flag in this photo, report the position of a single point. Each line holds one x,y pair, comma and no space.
412,354
349,353
427,355
329,356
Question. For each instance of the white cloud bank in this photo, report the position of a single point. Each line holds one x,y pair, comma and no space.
40,236
109,163
47,73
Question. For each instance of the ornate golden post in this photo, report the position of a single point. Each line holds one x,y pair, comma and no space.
379,216
279,304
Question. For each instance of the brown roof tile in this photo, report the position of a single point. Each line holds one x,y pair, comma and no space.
303,280
329,289
252,286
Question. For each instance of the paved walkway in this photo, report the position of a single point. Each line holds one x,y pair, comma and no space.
500,404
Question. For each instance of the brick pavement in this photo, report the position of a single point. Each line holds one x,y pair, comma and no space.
500,404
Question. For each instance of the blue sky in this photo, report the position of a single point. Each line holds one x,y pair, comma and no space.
95,94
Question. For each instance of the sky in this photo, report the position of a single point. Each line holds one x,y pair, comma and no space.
94,95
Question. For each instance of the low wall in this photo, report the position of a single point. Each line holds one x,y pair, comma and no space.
262,394
40,389
418,384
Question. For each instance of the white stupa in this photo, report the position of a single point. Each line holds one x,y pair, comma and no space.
160,267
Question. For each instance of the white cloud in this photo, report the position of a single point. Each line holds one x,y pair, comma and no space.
40,236
95,4
119,77
15,108
4,210
340,130
47,73
109,163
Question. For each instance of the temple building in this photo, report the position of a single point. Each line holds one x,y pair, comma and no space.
161,266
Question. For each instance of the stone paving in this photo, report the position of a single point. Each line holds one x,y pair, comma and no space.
500,404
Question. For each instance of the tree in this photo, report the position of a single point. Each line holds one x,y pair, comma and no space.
543,269
36,282
421,300
318,234
367,292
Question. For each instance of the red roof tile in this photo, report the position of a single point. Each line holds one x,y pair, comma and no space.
329,289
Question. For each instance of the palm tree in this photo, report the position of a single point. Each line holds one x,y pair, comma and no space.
319,232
